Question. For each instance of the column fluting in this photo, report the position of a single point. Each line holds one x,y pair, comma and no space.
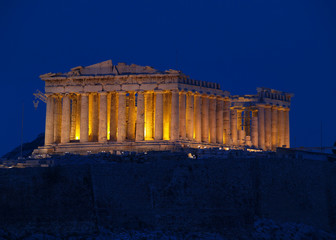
281,127
261,127
158,135
205,119
84,119
190,116
140,117
131,116
174,128
287,136
226,121
274,128
233,122
268,127
212,120
182,115
149,115
114,116
102,134
197,117
49,126
219,121
254,128
65,136
121,136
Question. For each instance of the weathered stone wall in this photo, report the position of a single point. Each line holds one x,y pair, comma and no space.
213,194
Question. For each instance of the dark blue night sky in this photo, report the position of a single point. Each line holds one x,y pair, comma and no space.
289,45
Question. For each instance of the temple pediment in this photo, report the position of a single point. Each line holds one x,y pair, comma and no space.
107,68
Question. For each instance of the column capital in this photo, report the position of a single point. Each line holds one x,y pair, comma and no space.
121,92
65,94
159,91
102,93
84,94
183,92
50,95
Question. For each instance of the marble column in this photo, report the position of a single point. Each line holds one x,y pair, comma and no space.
205,119
274,128
121,135
166,115
268,127
65,136
190,116
240,120
73,117
158,135
219,120
131,116
226,121
254,128
197,117
57,118
94,117
78,117
234,133
261,127
241,137
240,127
149,110
102,134
281,127
114,117
84,119
49,126
140,117
287,136
212,120
174,128
182,114
247,122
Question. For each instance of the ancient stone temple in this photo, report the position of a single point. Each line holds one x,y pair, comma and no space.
106,107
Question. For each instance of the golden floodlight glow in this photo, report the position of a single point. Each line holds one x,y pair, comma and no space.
253,150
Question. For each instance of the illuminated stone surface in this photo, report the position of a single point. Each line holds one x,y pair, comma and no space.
106,107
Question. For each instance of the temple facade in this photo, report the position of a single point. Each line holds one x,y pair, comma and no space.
106,107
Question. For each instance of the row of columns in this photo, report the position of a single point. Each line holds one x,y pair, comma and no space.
266,126
191,116
159,115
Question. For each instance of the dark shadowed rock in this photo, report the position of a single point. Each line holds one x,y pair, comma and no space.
27,148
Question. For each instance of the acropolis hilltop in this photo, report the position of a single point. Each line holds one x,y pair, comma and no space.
107,107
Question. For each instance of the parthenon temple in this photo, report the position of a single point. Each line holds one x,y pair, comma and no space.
106,107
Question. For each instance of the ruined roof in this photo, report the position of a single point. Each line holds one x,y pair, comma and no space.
107,68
